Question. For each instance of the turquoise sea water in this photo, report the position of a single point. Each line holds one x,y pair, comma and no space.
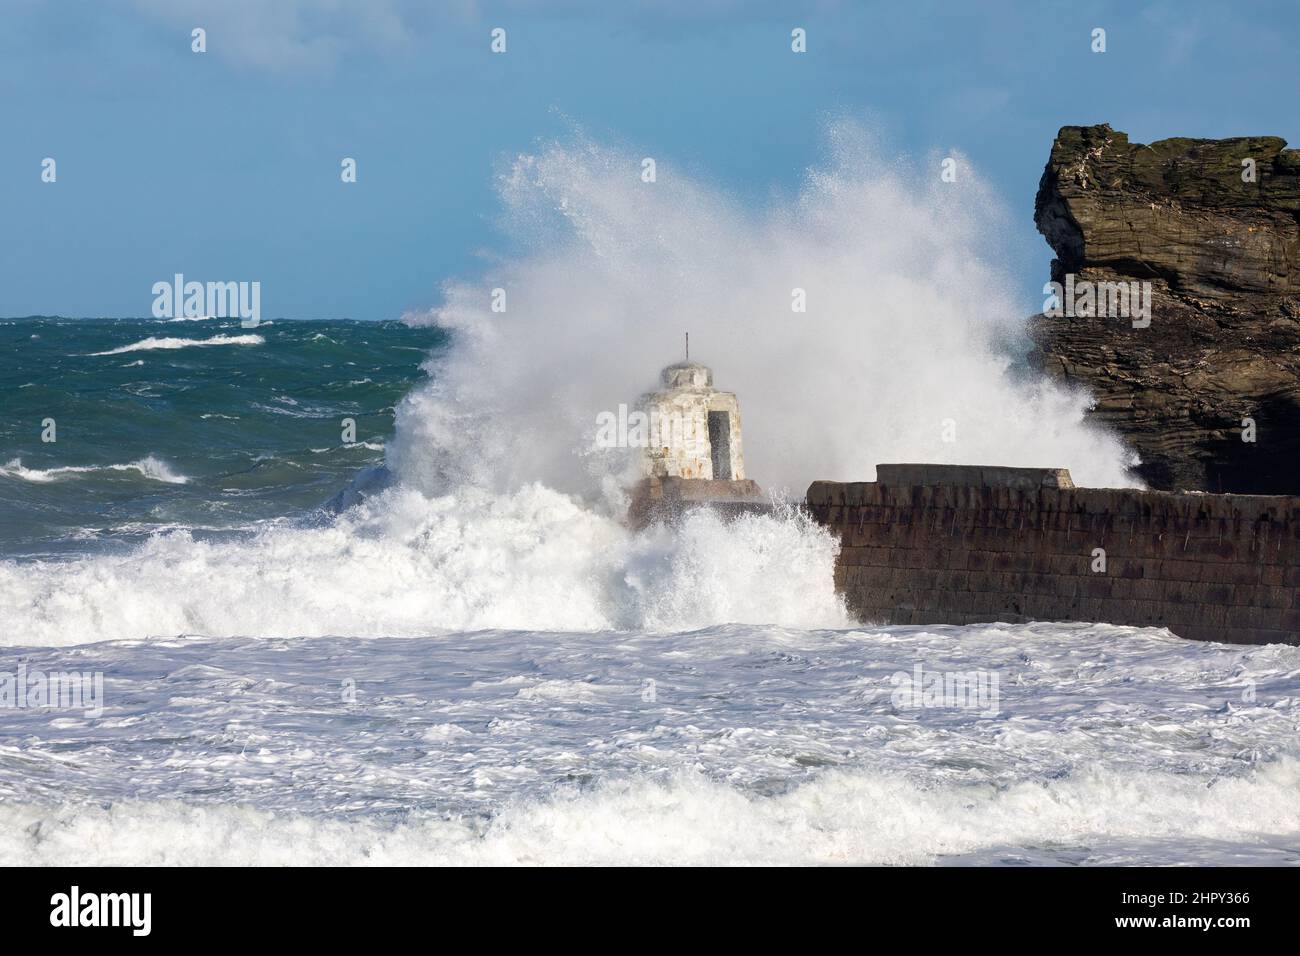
155,429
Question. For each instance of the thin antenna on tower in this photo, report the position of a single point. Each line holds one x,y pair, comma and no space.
688,346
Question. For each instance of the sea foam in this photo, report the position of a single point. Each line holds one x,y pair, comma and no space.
858,818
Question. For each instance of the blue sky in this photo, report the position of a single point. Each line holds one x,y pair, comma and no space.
225,165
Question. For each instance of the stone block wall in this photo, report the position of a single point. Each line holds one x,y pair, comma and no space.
1208,567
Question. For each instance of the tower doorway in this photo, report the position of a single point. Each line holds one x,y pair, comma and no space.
720,443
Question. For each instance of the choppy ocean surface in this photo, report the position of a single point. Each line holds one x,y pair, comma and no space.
200,425
454,673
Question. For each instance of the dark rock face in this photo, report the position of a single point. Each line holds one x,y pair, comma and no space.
1219,243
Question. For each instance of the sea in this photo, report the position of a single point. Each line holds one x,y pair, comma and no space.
301,635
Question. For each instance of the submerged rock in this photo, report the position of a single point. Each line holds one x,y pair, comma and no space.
366,483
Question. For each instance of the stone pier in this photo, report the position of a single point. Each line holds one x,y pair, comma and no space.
945,544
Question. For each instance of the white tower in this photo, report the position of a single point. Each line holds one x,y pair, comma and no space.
694,429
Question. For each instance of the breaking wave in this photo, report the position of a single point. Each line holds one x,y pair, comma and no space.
403,564
148,467
1100,815
152,342
502,514
899,355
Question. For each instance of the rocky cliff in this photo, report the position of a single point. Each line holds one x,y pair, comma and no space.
1210,229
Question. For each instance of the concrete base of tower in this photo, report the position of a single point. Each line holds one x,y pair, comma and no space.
667,499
